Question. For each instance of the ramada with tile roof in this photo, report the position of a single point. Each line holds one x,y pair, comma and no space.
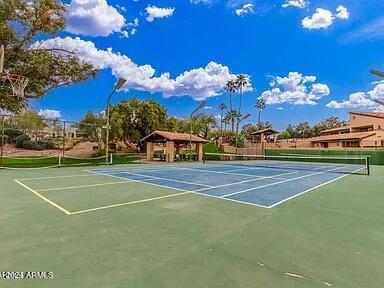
365,130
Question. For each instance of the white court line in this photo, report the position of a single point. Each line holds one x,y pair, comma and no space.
221,172
310,189
165,179
179,189
280,182
83,186
144,182
251,180
56,177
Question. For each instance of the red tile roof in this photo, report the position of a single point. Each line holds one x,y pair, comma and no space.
174,136
265,131
370,114
346,136
336,129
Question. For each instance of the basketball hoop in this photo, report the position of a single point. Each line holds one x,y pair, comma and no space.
18,83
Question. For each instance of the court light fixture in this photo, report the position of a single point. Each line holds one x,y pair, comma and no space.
377,73
118,86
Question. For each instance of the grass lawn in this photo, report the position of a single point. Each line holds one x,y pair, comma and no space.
333,235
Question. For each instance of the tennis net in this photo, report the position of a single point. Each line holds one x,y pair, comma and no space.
343,165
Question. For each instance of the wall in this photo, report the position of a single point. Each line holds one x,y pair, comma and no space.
359,120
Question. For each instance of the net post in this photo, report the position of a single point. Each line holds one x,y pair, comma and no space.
110,159
367,166
59,160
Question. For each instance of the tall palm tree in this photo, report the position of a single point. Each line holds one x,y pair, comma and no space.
222,107
234,115
241,82
260,104
226,121
230,87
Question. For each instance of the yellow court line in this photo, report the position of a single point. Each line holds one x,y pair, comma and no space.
44,198
129,203
57,177
83,186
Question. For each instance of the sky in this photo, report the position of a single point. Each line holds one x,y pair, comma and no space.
308,60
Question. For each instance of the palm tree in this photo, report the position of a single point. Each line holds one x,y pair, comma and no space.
222,107
226,121
241,82
230,87
234,115
260,104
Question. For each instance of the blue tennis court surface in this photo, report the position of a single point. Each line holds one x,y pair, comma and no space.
260,186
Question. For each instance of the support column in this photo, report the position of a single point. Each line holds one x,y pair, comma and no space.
170,151
150,151
199,151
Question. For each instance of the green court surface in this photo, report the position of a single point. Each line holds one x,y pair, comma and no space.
92,230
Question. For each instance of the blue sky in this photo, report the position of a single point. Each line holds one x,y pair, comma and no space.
308,60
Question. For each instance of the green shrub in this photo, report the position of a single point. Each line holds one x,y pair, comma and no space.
12,134
19,140
38,145
27,145
45,144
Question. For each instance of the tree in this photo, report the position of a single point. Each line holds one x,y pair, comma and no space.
135,119
21,24
91,126
222,107
226,121
233,114
241,82
260,105
248,129
329,123
203,124
230,87
30,122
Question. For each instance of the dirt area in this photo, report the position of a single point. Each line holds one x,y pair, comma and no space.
83,150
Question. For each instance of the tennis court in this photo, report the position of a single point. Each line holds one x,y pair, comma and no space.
265,182
142,224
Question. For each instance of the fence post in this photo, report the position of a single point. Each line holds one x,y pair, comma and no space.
2,139
63,151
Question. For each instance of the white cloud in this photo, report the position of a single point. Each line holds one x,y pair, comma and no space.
93,18
201,1
295,89
378,91
199,83
246,9
156,12
324,18
355,100
371,31
295,3
321,19
50,114
361,99
131,28
342,13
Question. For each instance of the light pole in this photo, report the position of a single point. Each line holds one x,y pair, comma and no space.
237,128
201,105
118,85
380,74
